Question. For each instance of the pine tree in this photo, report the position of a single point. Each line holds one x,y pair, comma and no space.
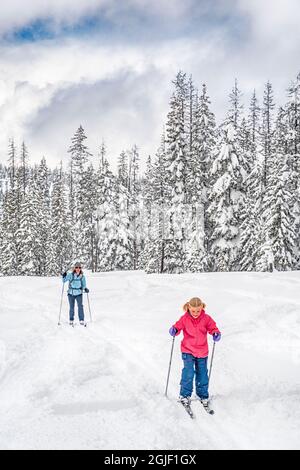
43,181
41,186
61,232
190,128
79,151
251,223
134,190
29,234
148,195
292,149
10,247
197,259
115,232
267,131
125,239
123,169
251,227
106,220
228,173
225,203
9,225
23,171
253,122
205,142
236,108
88,208
174,251
79,157
102,154
12,164
279,219
159,194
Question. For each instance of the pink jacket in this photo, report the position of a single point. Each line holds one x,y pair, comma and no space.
195,333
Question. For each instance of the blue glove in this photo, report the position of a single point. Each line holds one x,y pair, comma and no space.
86,290
64,274
216,336
173,331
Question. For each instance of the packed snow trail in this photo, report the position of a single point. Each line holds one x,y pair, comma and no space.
102,387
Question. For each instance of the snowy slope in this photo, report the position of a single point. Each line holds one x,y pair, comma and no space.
103,386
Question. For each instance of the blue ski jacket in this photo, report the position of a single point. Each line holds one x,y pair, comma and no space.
76,283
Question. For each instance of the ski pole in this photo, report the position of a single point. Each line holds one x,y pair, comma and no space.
61,300
211,361
89,306
166,392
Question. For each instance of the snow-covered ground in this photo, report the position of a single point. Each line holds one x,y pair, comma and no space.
102,387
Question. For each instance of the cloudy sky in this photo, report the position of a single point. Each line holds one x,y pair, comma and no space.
108,65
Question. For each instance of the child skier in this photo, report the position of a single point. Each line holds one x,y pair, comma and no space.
77,283
195,324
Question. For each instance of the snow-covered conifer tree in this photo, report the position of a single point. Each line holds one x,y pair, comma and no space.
225,203
174,250
123,169
61,228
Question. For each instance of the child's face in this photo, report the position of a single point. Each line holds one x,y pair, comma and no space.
195,311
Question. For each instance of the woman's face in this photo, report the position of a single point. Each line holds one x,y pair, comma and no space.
195,311
77,270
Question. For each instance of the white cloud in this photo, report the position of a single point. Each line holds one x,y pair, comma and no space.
19,13
119,89
272,19
120,92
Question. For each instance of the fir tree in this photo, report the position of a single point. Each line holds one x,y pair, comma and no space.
157,194
134,190
279,219
61,229
236,107
123,169
225,203
106,220
87,209
267,131
79,157
29,234
23,171
174,252
12,159
10,251
205,142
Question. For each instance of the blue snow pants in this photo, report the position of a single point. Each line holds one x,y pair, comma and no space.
78,299
194,366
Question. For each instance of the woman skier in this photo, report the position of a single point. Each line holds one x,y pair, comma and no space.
77,284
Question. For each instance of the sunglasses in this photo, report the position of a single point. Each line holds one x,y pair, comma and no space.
78,267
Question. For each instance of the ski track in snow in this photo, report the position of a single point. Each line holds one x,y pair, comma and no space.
102,387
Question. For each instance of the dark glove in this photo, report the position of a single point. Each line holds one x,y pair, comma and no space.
86,290
173,331
64,274
216,336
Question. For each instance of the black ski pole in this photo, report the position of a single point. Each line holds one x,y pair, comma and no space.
61,300
211,361
166,392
